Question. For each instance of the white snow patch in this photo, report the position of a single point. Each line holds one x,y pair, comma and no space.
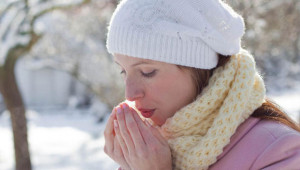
59,139
289,101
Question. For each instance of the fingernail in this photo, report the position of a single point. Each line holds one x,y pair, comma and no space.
125,106
119,110
115,123
114,110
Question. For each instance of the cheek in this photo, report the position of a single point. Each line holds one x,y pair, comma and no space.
168,95
160,93
163,88
176,92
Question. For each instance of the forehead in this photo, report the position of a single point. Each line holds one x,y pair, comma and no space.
128,60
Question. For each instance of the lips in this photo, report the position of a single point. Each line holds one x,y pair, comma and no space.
147,113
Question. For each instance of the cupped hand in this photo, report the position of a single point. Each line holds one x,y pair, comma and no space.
142,145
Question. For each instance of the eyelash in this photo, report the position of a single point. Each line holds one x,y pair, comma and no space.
122,72
147,75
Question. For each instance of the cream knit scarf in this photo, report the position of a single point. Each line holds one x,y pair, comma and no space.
198,132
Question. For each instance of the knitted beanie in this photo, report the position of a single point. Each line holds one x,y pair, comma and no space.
182,32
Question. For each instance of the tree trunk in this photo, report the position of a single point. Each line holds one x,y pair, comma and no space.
14,104
296,57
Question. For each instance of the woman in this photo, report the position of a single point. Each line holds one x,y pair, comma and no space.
198,101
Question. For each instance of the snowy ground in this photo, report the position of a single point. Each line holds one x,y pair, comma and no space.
64,140
72,139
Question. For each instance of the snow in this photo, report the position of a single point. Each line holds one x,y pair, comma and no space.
289,101
38,7
59,139
15,22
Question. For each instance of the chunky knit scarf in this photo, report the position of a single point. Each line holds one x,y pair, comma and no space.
198,132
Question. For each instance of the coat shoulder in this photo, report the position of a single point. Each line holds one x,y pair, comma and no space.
259,144
275,130
282,146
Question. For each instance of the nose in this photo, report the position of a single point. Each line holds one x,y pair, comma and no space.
133,90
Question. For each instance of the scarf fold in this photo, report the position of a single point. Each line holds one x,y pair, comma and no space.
198,132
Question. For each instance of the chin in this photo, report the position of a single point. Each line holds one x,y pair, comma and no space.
157,121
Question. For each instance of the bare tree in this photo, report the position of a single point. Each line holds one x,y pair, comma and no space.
17,37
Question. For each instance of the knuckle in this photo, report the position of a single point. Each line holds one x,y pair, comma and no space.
106,133
107,149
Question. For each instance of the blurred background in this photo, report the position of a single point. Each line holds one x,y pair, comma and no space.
55,70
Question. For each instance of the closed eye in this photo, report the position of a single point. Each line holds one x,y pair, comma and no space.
148,75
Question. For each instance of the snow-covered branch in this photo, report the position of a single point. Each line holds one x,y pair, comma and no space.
17,23
11,23
38,9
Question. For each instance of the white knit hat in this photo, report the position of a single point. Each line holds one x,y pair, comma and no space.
182,32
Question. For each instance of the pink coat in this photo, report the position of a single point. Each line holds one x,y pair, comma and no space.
261,144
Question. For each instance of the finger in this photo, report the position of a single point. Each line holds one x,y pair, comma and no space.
119,155
157,134
109,133
120,140
123,129
133,128
144,129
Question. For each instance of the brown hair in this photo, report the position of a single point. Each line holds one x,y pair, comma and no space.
268,110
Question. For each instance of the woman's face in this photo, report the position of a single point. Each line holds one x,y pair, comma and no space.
158,89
